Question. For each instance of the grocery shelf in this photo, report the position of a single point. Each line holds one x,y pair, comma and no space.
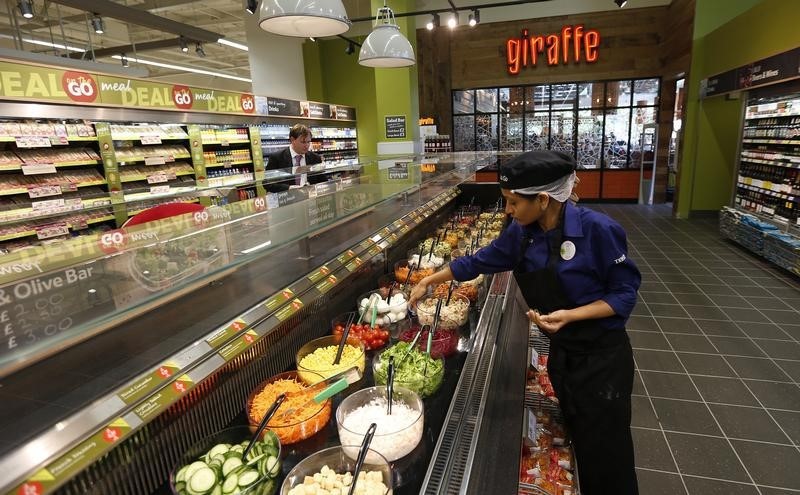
781,195
230,164
141,177
770,162
79,163
138,137
147,195
223,142
772,141
12,139
17,235
168,159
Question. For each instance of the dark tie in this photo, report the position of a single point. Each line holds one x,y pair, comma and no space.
298,178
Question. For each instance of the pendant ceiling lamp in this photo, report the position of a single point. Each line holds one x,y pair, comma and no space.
386,46
303,18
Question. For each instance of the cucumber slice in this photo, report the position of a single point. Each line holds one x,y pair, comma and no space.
217,490
231,463
192,468
230,484
203,480
248,477
255,460
272,466
220,448
180,487
181,474
271,451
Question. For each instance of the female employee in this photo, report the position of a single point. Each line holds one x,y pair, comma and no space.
572,267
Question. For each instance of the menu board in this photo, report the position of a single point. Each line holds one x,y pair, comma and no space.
395,126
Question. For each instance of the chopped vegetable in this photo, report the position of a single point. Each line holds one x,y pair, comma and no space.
306,420
223,471
410,372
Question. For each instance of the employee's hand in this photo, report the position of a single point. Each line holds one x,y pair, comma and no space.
417,292
550,323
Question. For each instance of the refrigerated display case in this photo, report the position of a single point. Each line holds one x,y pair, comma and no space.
765,217
155,372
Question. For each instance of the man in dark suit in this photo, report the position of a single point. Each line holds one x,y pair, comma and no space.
296,158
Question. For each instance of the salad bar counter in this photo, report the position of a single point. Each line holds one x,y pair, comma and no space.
337,367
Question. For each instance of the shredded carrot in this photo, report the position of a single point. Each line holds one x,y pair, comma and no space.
302,423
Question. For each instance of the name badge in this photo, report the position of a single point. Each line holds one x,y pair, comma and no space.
567,250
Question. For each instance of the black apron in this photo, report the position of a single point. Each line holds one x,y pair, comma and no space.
591,369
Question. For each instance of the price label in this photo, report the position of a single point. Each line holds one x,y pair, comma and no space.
534,358
531,426
151,139
80,224
227,164
155,160
224,143
58,140
69,187
44,191
159,190
52,230
47,205
32,142
38,168
157,178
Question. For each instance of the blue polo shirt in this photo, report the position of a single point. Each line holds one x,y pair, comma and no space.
598,268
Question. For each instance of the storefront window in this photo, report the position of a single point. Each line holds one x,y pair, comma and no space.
645,92
562,127
618,94
486,132
463,102
511,132
537,98
564,96
615,145
537,131
512,100
590,136
486,100
464,133
641,118
591,95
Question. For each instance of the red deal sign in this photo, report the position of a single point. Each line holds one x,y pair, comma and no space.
248,103
31,488
79,86
112,434
182,97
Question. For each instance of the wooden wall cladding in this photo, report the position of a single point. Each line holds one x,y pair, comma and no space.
589,185
621,184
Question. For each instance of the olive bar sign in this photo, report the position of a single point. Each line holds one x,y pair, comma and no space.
395,126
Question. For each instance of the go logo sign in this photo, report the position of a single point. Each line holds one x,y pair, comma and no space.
201,218
113,241
182,97
260,204
248,103
79,86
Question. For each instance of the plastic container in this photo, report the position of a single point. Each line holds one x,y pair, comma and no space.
411,373
372,337
296,427
444,343
386,281
470,291
317,357
266,484
397,434
401,273
451,316
336,459
387,312
429,261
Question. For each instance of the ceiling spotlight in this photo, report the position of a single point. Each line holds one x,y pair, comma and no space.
251,7
26,8
313,39
198,49
452,22
433,23
351,48
184,45
124,59
98,25
474,18
620,3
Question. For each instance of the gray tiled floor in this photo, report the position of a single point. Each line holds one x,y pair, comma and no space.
716,337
